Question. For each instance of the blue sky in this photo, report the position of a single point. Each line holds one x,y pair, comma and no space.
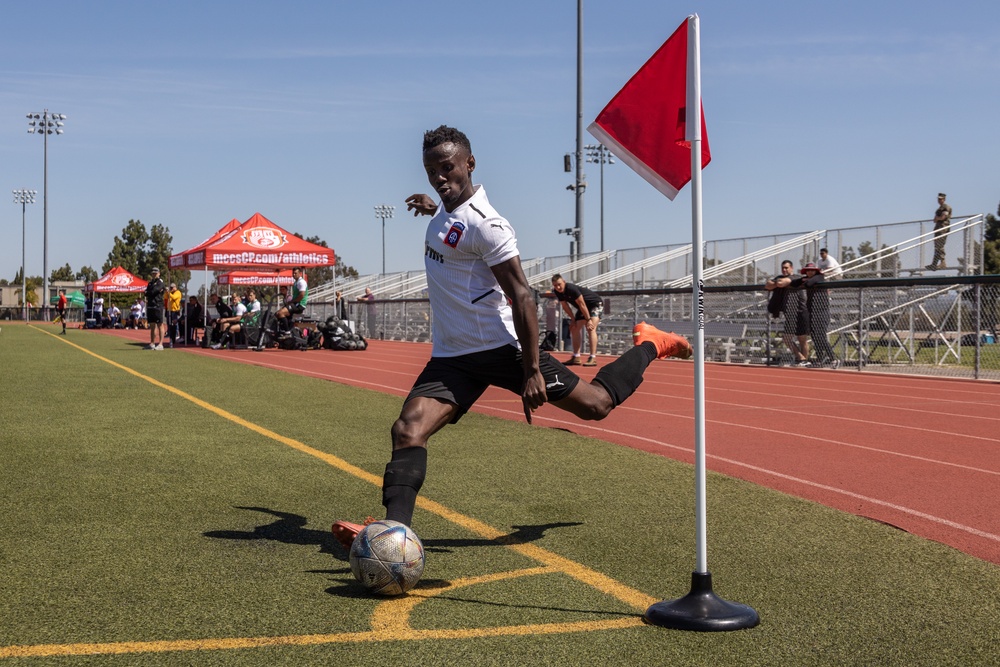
189,114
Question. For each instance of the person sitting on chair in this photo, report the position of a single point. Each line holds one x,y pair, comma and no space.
296,303
223,311
224,324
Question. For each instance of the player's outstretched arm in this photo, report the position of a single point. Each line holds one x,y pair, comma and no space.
420,205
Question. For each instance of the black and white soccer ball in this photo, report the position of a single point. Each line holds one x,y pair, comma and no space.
387,557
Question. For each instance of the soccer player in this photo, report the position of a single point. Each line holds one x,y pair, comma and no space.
589,309
61,309
296,304
485,330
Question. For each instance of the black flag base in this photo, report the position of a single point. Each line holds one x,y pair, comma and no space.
702,610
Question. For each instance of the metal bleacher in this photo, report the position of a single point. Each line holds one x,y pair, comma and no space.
610,278
656,287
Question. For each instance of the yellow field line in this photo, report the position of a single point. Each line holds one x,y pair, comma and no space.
118,648
385,630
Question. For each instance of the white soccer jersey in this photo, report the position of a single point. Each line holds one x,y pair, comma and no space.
470,312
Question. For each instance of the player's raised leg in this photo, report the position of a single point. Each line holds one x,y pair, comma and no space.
618,380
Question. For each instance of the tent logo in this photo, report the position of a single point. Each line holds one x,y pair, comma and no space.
265,239
122,280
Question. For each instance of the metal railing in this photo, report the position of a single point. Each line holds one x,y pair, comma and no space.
941,326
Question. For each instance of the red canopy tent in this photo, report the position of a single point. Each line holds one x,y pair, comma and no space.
259,244
256,278
179,260
117,280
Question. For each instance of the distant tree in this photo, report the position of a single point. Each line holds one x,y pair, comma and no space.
847,254
87,274
890,264
63,273
129,250
4,282
342,270
138,250
159,256
865,248
991,247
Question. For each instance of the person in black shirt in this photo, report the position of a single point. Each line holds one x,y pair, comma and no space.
154,310
194,317
818,307
224,311
589,309
790,302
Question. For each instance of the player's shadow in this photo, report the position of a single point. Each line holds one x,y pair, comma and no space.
291,528
520,535
288,528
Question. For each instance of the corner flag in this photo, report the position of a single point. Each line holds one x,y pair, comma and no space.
644,125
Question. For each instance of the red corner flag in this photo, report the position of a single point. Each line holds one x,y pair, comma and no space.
643,125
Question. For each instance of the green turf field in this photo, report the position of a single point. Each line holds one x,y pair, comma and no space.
162,508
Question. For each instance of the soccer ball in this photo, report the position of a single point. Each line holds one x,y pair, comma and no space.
387,557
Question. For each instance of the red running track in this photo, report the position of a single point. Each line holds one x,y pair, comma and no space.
919,453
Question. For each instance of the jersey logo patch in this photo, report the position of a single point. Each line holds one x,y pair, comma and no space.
454,234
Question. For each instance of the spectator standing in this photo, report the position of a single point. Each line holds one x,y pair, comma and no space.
787,301
340,306
828,265
818,306
942,221
371,314
155,293
98,310
172,304
589,309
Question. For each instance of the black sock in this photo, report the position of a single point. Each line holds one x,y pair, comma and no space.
624,375
404,475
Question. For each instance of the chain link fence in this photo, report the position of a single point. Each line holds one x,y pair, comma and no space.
944,326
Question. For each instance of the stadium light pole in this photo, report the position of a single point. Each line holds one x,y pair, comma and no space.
45,123
581,186
24,197
384,211
600,154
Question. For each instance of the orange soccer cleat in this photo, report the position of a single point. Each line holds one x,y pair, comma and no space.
345,531
667,344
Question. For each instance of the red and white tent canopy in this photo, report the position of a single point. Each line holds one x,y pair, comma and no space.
259,243
117,280
179,261
252,278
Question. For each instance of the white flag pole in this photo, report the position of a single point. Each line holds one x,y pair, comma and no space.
701,609
693,135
